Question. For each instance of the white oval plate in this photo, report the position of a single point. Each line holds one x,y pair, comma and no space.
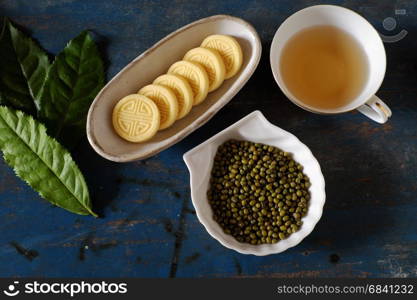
156,61
255,128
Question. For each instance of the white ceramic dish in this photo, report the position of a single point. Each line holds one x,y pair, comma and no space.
256,128
156,61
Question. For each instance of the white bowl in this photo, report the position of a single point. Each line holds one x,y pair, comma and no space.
255,128
154,62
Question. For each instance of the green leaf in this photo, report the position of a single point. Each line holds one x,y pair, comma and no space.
42,162
74,79
3,27
22,71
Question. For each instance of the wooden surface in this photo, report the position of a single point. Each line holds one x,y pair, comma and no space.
148,226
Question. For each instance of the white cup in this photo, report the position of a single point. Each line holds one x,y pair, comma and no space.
366,102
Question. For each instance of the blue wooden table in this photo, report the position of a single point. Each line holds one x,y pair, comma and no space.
148,227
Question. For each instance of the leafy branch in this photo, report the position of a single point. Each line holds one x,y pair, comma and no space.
59,95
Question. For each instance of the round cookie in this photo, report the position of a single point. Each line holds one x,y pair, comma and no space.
182,90
136,118
212,62
196,76
229,50
165,100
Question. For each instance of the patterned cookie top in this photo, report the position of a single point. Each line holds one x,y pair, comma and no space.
229,50
212,62
136,118
182,89
165,100
196,76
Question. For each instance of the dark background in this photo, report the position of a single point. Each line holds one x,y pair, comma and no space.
148,226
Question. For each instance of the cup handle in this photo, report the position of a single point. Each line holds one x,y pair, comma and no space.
376,110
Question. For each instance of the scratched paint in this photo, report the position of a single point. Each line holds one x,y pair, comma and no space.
148,227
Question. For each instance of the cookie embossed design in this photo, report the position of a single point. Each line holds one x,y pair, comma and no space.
212,62
165,100
196,76
136,118
182,90
229,49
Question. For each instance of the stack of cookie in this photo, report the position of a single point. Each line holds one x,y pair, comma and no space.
138,117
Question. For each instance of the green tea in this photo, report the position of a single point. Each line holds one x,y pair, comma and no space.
324,67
